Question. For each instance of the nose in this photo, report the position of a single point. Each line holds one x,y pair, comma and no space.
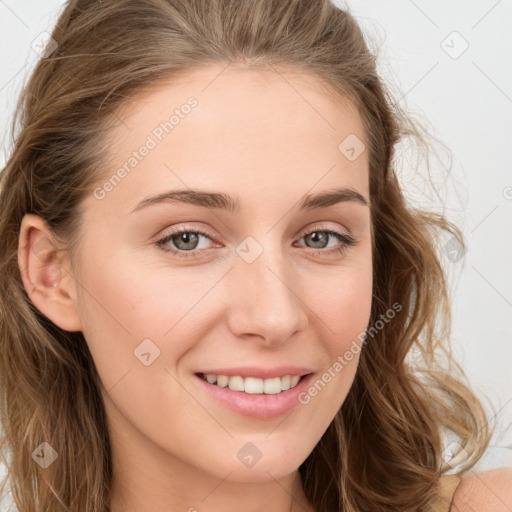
265,303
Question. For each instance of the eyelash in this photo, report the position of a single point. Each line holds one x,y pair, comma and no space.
346,239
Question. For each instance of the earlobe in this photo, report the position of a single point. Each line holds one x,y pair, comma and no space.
49,286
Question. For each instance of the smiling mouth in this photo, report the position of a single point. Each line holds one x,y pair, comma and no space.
253,385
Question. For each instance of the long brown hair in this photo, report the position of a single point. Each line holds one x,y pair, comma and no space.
383,450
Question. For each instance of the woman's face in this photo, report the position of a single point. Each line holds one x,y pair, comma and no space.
257,290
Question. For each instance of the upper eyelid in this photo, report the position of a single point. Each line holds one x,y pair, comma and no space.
203,231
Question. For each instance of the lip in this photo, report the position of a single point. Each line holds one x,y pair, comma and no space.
260,373
260,406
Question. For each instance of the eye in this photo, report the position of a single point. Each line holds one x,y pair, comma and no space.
320,238
186,242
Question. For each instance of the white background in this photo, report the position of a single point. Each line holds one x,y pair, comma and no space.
467,102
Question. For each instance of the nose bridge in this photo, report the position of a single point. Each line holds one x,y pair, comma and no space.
265,301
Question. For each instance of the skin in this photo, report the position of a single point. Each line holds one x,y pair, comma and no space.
266,138
489,491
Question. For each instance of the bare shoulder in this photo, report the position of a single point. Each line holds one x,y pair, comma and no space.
487,491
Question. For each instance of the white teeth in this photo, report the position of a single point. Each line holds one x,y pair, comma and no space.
222,381
272,386
253,385
236,383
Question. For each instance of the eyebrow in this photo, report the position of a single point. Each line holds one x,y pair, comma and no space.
221,201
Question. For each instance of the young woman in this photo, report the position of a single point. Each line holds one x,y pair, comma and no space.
211,280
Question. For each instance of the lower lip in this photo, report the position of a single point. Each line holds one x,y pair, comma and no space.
259,406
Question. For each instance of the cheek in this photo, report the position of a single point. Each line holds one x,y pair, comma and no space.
347,309
131,309
342,314
341,302
350,319
139,325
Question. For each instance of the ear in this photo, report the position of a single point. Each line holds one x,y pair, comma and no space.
46,273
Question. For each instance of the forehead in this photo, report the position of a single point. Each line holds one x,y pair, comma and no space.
233,97
251,127
234,81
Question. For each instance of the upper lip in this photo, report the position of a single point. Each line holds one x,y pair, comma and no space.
258,372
